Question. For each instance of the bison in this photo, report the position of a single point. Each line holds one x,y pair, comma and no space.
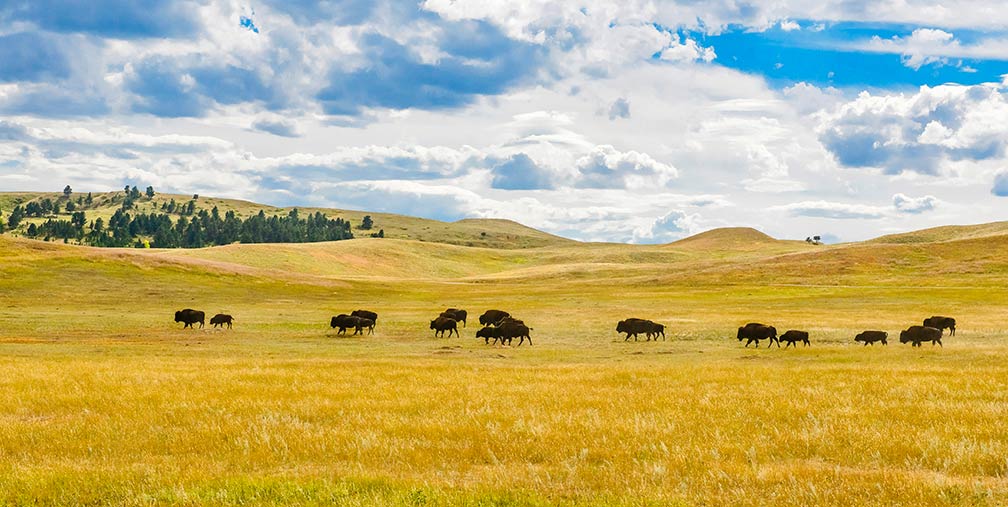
220,319
792,337
511,330
941,323
492,317
489,332
190,317
457,314
634,326
870,337
362,323
754,332
917,334
442,324
344,321
365,314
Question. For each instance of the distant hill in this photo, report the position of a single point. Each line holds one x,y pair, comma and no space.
946,233
487,233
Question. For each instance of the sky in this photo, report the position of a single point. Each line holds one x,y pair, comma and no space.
626,121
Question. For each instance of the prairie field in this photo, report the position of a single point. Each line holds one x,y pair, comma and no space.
105,400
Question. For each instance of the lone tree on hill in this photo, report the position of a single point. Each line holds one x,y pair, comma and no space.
67,191
367,223
150,192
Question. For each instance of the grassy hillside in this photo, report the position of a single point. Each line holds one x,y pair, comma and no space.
108,401
488,233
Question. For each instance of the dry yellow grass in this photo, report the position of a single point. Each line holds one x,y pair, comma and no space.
106,401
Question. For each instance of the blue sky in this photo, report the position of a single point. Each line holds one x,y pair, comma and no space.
631,121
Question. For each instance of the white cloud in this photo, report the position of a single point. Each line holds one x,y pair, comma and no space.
905,204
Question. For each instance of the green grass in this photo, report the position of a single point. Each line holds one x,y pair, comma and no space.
107,401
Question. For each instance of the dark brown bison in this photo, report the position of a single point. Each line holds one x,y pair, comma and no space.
442,324
492,317
362,323
457,314
754,332
793,336
220,319
190,317
917,334
365,314
489,332
634,326
870,337
511,330
941,323
343,322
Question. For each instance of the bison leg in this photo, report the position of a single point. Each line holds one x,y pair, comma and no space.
457,335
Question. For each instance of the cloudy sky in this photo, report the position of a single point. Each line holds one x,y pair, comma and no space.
636,121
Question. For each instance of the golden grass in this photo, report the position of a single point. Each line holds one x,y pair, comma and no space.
106,401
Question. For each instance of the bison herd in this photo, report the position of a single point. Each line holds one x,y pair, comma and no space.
501,327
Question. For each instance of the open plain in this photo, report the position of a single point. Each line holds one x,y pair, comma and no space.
106,400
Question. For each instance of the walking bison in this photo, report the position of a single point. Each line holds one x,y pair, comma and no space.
793,336
457,314
941,323
490,317
190,317
754,332
365,314
634,326
344,322
917,334
511,330
870,337
442,324
220,319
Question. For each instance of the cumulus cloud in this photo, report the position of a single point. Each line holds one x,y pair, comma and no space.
915,133
520,173
674,225
927,46
905,204
606,167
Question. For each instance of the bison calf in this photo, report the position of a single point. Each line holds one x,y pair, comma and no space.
220,319
793,336
870,337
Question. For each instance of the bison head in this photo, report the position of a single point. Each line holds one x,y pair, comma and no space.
904,336
741,332
178,316
621,326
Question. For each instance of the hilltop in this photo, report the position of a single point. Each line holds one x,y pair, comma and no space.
489,233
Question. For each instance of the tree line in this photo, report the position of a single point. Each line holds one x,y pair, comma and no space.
191,229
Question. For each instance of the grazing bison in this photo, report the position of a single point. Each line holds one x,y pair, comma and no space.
220,319
457,314
489,332
917,334
870,337
365,314
754,332
492,317
941,323
190,317
511,330
442,324
343,322
792,337
634,326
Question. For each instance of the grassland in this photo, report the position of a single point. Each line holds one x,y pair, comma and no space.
107,401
